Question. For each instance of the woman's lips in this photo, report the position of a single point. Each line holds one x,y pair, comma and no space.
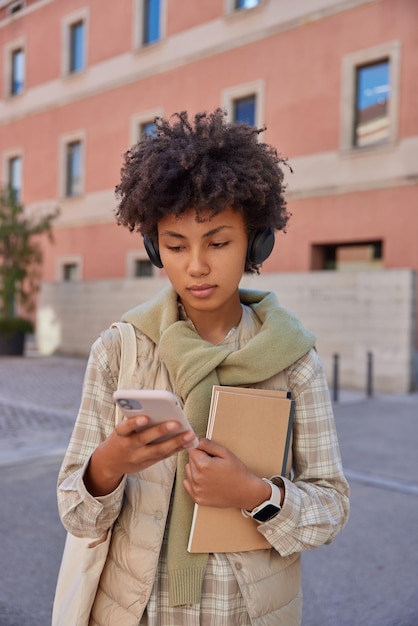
202,291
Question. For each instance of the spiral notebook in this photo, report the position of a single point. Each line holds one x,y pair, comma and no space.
256,425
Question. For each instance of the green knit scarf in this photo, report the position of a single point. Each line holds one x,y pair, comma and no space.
196,365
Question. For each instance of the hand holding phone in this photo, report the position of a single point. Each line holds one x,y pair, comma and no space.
156,404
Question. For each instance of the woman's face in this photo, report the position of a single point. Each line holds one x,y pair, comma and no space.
204,259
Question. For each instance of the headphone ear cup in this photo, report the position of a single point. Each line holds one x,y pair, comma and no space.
152,250
260,246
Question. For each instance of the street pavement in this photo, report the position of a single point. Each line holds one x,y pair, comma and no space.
367,576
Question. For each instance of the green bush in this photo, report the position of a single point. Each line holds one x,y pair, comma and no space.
20,259
10,326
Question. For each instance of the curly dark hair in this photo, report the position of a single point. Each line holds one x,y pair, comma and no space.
212,165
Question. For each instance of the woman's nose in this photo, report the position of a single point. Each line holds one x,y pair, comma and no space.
198,265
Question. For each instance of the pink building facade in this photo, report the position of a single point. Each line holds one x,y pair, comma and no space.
334,81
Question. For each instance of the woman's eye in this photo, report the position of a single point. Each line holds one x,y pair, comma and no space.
219,244
175,248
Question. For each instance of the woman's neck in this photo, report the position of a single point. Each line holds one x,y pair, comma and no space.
212,327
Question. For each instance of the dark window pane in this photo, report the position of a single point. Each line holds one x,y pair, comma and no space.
73,169
16,7
76,47
18,72
70,271
372,99
244,110
143,268
365,255
151,21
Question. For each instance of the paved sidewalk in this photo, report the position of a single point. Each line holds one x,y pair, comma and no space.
368,576
39,400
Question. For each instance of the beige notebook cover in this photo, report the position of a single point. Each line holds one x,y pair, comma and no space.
255,424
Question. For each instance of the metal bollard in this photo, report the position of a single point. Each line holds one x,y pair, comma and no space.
335,382
369,383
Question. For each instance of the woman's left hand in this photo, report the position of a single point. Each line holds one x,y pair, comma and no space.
216,477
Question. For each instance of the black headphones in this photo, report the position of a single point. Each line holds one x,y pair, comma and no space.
259,248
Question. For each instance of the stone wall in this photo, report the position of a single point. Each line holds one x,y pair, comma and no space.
351,313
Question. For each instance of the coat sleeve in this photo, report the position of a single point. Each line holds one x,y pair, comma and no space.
316,504
81,513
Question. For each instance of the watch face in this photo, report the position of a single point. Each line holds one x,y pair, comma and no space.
266,513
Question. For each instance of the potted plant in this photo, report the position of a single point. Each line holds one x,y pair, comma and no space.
20,268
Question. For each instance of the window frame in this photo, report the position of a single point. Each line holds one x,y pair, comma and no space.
16,7
139,42
138,120
63,261
74,64
132,257
73,162
350,64
8,158
257,88
68,23
65,142
360,72
319,254
13,91
17,191
9,50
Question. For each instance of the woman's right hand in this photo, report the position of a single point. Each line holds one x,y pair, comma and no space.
128,450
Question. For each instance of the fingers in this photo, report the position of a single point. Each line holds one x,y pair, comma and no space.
136,428
210,448
216,477
130,424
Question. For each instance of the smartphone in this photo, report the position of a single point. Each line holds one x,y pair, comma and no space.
158,405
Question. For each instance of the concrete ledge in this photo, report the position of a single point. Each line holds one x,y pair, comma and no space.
351,313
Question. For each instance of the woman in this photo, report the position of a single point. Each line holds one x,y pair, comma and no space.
207,196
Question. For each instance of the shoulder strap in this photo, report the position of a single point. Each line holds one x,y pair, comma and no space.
128,355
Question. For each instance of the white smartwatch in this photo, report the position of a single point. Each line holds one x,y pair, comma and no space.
267,509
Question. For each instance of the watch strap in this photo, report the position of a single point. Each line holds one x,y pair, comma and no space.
267,509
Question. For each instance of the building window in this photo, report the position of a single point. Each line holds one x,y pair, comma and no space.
151,21
69,272
240,6
372,104
142,268
17,71
15,7
245,103
348,256
73,169
15,177
370,97
69,268
244,110
246,4
143,124
138,265
76,47
147,128
74,50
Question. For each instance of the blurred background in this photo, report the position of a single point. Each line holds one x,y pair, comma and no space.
335,84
